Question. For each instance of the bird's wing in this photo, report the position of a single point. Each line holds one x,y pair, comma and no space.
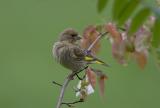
78,53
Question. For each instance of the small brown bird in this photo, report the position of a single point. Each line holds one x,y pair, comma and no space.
68,53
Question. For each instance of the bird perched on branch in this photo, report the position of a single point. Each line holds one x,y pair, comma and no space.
68,52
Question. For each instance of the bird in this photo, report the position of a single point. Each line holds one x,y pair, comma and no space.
68,52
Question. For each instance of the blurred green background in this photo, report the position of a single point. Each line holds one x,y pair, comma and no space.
28,29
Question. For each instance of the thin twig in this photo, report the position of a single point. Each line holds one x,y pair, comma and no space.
78,77
54,82
70,104
96,40
81,70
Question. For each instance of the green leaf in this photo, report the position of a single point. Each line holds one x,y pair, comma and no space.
118,6
127,11
139,19
101,5
156,33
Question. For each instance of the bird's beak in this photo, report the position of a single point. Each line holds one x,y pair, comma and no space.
78,38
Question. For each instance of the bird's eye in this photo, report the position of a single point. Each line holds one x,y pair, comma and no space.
73,35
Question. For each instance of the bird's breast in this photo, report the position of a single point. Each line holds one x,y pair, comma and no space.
64,55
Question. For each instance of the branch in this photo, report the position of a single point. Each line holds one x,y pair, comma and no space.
54,82
69,104
64,86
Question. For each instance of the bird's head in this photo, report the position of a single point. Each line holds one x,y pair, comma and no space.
69,35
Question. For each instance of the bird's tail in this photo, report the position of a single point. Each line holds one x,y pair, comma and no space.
91,60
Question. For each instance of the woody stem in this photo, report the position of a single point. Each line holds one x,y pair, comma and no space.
96,40
64,86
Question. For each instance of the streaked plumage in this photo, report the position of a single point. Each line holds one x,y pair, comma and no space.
69,54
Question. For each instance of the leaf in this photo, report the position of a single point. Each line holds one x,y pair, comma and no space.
127,11
119,52
118,6
102,84
101,5
101,80
89,35
142,39
138,19
156,33
141,59
114,32
91,77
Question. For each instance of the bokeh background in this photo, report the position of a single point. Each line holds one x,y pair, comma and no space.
28,29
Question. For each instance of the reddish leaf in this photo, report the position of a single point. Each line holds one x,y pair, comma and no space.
101,79
89,35
118,51
141,59
141,44
91,77
114,32
143,38
102,84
